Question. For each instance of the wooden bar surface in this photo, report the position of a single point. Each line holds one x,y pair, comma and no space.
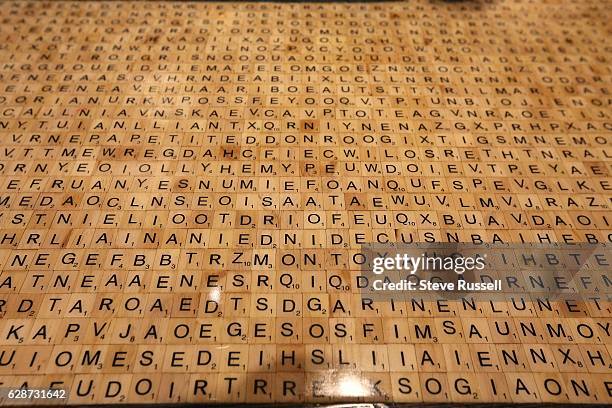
168,170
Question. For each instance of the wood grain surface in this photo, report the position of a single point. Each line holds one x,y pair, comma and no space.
185,186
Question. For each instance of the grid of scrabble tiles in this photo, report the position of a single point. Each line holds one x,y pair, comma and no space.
185,188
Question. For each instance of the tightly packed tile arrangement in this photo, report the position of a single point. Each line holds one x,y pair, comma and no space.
185,190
